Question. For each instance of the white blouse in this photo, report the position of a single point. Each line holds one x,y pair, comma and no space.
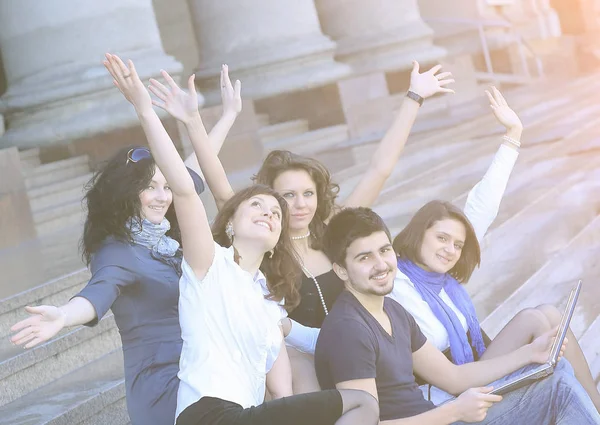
483,203
231,335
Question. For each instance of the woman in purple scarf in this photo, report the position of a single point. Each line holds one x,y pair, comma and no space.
437,253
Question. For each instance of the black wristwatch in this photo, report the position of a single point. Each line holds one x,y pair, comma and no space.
412,95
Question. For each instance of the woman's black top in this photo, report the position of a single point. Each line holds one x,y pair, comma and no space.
310,310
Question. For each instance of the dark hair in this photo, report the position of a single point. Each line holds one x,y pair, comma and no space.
347,226
279,161
408,243
112,198
282,271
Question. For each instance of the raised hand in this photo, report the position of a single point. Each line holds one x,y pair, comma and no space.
45,322
127,80
542,346
503,113
230,94
473,404
430,82
182,105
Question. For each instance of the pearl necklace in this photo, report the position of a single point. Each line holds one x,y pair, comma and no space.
314,279
296,238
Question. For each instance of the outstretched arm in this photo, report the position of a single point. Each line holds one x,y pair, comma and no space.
391,146
184,107
47,320
483,201
198,245
232,106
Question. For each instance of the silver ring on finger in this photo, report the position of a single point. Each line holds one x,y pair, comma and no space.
127,76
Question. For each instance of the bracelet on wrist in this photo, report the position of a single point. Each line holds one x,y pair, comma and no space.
511,141
412,95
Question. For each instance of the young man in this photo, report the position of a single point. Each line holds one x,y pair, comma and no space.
369,342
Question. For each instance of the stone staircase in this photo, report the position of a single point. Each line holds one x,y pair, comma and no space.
55,190
546,235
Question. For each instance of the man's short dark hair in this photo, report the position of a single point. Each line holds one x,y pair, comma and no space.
347,226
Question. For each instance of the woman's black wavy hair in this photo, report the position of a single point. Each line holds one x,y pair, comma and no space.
112,198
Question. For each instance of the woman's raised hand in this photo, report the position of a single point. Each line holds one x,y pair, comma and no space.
430,82
127,80
45,322
182,105
230,94
503,113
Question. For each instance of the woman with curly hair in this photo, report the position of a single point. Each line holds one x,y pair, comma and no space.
131,244
236,280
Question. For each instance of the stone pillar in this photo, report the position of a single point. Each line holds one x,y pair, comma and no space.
57,87
16,221
380,35
272,46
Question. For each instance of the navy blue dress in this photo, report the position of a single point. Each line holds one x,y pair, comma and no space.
143,293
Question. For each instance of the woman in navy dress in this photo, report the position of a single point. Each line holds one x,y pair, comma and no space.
133,253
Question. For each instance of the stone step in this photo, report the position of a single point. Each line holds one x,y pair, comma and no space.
526,102
72,217
56,176
590,344
79,181
27,154
544,229
50,167
24,371
414,169
538,166
68,194
313,141
262,119
30,158
53,292
272,133
553,281
57,211
92,394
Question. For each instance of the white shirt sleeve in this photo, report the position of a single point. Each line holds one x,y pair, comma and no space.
483,201
302,337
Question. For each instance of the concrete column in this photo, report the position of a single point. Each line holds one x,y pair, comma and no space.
57,88
378,35
273,46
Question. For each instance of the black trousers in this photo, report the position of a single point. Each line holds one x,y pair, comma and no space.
319,408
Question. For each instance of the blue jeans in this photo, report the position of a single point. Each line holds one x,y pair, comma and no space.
556,400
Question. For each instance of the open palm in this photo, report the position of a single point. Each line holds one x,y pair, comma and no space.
45,322
503,113
428,83
182,105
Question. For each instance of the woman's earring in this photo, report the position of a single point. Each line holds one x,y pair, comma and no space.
271,252
229,231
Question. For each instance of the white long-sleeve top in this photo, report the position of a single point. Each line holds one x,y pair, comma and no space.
483,203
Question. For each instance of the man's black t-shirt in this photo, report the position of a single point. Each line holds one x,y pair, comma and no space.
353,345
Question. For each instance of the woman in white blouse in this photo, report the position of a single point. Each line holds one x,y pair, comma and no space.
236,279
438,251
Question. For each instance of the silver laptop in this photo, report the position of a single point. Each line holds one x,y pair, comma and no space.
547,368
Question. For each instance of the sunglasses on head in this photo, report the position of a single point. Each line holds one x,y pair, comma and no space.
137,154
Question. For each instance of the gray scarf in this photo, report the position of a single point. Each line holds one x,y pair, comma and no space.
152,236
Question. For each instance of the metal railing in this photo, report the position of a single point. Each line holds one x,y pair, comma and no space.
481,25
